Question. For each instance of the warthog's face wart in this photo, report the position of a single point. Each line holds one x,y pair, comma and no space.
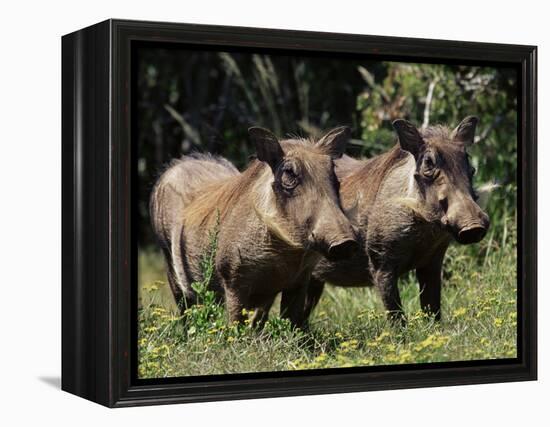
444,176
302,202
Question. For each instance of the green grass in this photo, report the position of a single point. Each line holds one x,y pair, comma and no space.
348,328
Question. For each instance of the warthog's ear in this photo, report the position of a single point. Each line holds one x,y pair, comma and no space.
335,141
465,132
267,145
409,137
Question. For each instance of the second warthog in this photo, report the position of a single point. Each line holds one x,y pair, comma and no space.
273,222
408,204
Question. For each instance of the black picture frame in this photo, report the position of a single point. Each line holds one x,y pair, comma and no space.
98,289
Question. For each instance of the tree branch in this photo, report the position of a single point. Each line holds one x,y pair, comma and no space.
428,104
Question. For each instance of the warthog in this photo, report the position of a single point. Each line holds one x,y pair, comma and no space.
408,204
274,221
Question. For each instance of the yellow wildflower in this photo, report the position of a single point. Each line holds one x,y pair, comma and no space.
459,312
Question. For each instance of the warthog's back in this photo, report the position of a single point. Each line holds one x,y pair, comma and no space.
179,185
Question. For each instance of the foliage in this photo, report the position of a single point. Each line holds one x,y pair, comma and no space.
206,314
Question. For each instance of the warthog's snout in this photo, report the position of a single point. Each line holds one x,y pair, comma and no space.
342,249
472,234
468,223
474,231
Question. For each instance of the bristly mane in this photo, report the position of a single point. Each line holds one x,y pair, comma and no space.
371,175
218,197
436,133
226,194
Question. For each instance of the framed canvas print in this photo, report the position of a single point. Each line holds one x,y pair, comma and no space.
258,213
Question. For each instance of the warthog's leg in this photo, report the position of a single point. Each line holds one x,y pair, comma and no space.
184,296
235,305
259,318
261,314
429,281
386,282
293,303
314,292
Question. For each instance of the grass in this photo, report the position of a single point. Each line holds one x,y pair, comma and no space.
348,328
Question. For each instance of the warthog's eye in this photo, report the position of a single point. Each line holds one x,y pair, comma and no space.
444,203
289,179
428,167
